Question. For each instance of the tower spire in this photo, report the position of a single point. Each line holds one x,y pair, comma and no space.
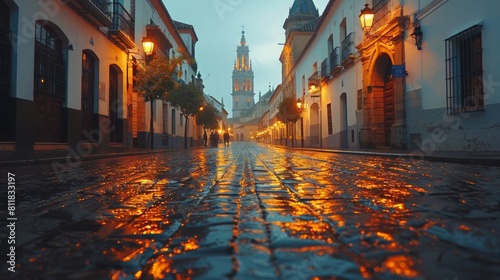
243,80
243,41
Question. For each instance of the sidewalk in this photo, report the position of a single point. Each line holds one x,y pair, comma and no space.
481,158
16,158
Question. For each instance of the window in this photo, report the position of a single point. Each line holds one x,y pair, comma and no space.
236,85
49,85
50,74
343,29
464,72
330,120
330,43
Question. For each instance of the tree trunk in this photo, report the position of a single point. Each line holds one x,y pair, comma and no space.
185,132
151,131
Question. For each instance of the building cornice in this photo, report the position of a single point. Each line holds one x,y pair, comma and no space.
431,7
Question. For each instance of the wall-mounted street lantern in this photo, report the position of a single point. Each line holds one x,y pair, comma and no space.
366,18
148,46
417,36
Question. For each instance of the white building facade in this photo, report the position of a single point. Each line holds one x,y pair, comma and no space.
374,88
172,38
68,68
64,75
328,78
453,82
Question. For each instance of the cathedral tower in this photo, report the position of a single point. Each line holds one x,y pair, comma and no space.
243,80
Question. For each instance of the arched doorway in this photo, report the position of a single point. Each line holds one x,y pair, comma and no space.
89,89
7,105
115,88
50,83
343,121
314,124
383,87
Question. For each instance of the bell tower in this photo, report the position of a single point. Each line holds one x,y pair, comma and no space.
243,80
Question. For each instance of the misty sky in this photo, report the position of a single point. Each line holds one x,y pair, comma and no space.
218,25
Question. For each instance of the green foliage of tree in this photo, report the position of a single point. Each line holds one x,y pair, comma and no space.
288,111
188,98
208,118
156,81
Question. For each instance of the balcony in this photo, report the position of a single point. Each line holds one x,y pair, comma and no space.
325,70
335,66
95,11
348,50
122,31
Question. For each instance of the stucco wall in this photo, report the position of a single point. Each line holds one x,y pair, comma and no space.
433,129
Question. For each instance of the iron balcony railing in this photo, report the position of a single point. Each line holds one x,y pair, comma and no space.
348,46
122,20
334,58
325,68
102,5
122,31
98,12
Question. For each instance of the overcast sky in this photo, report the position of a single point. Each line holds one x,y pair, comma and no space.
218,25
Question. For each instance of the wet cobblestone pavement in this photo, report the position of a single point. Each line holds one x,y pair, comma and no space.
256,212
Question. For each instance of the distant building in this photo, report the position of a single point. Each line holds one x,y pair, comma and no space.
246,112
243,80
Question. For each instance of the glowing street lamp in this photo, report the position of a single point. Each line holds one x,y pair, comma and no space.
148,46
366,19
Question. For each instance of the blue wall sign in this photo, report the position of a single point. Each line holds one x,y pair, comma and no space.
398,71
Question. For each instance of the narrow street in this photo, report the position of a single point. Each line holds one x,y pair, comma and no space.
256,212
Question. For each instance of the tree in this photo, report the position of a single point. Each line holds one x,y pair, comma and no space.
208,118
188,98
156,81
288,111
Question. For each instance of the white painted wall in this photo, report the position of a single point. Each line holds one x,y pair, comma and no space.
348,81
144,14
427,67
77,31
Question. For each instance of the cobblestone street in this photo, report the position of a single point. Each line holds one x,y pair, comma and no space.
255,212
